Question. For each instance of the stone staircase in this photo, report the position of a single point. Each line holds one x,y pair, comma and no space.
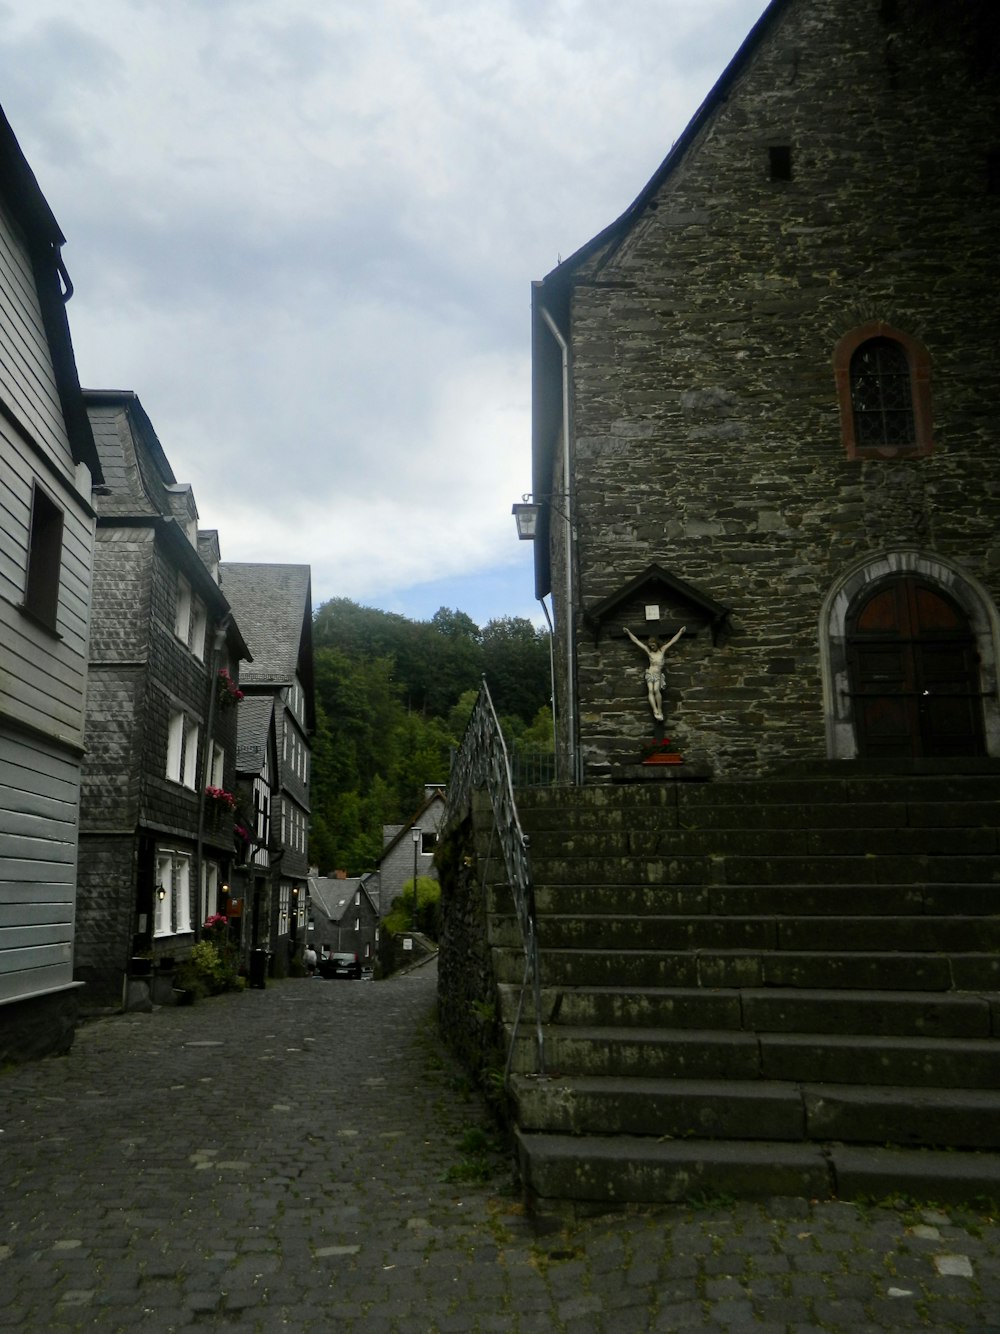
778,987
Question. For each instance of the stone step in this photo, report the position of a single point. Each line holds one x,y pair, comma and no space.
767,1010
705,815
764,1109
726,1054
754,900
788,840
735,869
824,969
649,932
859,790
567,1173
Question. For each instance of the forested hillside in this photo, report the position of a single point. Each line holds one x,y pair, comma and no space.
392,698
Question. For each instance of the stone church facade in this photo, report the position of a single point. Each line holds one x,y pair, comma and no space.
765,408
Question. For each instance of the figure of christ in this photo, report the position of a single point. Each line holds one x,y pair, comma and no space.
655,680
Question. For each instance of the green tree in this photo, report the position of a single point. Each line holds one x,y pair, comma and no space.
516,665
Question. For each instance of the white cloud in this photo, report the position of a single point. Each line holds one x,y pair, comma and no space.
305,234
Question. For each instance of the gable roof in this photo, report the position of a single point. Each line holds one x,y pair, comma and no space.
334,897
27,205
550,296
273,604
653,578
403,830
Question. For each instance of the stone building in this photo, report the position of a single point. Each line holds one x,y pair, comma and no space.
408,846
156,841
48,471
765,409
343,916
273,606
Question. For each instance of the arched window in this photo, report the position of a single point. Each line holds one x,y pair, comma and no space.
883,384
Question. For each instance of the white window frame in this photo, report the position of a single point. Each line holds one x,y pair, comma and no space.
218,769
182,610
183,734
210,876
172,913
199,626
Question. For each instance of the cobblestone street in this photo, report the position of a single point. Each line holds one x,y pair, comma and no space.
307,1158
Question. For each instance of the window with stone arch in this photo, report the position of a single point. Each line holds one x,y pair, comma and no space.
883,379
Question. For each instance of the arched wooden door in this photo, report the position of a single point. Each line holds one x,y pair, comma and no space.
914,673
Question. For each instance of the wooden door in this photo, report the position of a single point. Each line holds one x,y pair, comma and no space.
914,673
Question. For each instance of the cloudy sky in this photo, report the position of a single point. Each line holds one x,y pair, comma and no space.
304,232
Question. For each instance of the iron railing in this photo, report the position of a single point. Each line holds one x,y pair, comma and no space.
482,761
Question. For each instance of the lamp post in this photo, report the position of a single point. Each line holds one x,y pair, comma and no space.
415,833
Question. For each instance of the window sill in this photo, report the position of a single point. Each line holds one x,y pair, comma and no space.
39,621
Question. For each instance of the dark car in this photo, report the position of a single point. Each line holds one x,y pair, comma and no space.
340,965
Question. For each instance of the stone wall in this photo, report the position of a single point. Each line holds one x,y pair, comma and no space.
467,997
706,420
105,921
40,1026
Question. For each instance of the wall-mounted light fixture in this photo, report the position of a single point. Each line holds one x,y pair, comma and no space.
526,517
527,510
161,892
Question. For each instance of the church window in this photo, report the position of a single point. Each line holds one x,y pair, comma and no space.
883,385
779,158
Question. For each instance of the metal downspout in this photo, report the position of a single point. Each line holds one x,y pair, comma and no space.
570,582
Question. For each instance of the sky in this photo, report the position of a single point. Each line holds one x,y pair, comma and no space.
304,232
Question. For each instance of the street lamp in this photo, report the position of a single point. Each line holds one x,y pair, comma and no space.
526,517
415,834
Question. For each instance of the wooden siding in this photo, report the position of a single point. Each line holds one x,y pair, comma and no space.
27,379
38,831
42,677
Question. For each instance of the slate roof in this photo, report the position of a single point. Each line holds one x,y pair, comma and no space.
136,470
390,841
253,728
273,605
333,897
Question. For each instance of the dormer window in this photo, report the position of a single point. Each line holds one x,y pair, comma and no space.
883,385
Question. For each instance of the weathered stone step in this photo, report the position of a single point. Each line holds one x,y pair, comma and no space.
782,841
783,1010
860,790
755,900
802,1057
705,815
762,1109
824,969
647,932
890,869
567,1172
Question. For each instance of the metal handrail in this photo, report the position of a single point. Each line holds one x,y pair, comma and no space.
482,761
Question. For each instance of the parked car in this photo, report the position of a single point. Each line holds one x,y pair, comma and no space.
340,965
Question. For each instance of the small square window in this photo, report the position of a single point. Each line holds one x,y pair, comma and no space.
41,588
779,159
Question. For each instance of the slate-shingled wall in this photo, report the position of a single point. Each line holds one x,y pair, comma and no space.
707,432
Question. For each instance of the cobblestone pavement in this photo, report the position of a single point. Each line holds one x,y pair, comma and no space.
305,1158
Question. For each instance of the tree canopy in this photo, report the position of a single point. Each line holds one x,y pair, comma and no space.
393,697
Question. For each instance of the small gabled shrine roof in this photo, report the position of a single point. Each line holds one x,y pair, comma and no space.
653,578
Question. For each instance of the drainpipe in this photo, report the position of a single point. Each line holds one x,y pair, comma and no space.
218,642
552,687
570,589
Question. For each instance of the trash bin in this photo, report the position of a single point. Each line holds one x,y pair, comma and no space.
258,968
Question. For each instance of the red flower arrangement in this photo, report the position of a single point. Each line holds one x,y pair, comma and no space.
227,689
221,797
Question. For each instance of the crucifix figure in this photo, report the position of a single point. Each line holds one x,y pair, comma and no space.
655,680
